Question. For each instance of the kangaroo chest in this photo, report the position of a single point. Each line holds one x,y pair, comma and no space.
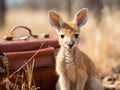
71,65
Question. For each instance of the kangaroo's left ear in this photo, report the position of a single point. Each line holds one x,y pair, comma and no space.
81,17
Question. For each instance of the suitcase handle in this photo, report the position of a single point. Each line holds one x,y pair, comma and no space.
11,36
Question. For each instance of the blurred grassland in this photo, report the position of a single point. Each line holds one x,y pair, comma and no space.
99,40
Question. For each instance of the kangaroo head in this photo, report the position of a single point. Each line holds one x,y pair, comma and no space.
68,32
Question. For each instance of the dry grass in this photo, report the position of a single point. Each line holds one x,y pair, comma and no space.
35,20
20,82
101,40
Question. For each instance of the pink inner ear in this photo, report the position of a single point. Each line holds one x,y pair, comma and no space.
81,16
56,19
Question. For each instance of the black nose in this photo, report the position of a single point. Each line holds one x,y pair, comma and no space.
70,45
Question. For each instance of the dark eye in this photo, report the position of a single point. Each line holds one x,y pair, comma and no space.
76,36
62,36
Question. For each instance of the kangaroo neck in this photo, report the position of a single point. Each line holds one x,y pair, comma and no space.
69,55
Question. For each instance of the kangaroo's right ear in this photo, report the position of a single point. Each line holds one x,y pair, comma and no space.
55,19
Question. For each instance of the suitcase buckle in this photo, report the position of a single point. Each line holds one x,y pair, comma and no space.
5,62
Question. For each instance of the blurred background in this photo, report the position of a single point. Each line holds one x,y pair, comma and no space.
100,37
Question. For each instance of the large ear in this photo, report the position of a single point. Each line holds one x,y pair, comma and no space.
55,19
81,17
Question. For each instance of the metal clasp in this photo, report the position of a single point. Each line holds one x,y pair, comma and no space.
5,62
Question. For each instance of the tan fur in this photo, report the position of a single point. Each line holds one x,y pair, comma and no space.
75,69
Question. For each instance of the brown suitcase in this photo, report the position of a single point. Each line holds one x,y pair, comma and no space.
17,54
